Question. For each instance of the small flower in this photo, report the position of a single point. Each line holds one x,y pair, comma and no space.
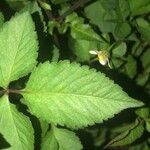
102,57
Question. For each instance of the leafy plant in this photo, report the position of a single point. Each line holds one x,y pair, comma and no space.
50,92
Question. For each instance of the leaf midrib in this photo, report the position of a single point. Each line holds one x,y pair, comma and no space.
15,55
24,92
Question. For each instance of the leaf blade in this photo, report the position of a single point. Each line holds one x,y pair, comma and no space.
16,128
65,139
15,48
72,95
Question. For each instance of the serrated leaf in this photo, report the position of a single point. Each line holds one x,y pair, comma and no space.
63,138
15,126
33,7
68,94
129,136
18,42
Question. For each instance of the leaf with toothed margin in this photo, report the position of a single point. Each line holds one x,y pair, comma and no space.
65,93
15,127
18,46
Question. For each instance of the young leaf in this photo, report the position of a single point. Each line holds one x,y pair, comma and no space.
84,32
131,66
122,30
148,125
68,94
97,15
81,48
66,140
139,7
128,136
120,50
44,127
15,127
17,4
143,112
18,42
145,59
144,28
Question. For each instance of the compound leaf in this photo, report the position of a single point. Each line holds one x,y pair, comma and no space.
18,48
15,127
68,94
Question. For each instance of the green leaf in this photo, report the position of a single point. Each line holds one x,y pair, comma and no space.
143,112
63,138
131,67
99,16
145,59
18,50
68,94
33,7
139,7
129,136
17,4
122,30
50,142
144,28
81,48
84,32
148,125
15,126
116,62
120,50
107,14
142,79
56,54
44,128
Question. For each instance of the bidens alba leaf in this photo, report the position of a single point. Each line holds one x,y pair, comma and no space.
15,127
67,94
18,46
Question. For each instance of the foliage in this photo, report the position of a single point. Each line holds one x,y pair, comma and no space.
48,102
